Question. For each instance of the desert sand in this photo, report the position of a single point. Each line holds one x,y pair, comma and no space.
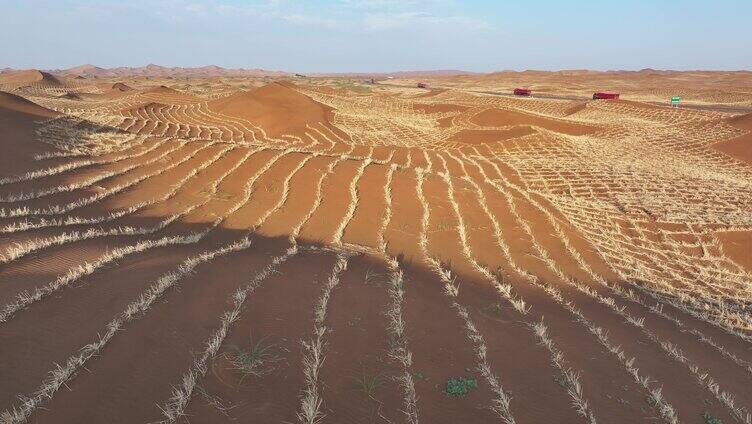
200,247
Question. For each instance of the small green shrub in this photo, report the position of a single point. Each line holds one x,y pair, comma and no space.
458,387
367,382
252,361
495,309
709,419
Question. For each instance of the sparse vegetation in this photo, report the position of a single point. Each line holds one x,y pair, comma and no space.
624,221
709,419
252,361
460,387
367,382
371,276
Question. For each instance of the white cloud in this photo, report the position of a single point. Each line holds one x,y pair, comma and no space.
391,4
355,16
416,20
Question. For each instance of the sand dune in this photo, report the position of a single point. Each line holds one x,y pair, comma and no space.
242,250
503,118
31,77
119,86
492,136
11,103
18,122
740,147
162,89
277,107
742,121
574,108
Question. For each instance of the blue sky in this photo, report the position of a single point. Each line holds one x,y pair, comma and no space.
378,35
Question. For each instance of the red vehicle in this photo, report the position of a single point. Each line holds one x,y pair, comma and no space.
422,85
605,96
522,92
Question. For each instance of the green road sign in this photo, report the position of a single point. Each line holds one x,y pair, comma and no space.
675,99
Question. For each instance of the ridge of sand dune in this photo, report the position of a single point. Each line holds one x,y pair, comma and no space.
276,107
581,105
20,77
742,121
736,244
52,80
470,136
14,104
163,93
504,117
740,147
576,107
162,89
31,76
119,86
18,121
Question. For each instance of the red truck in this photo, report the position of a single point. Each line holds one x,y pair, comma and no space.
522,92
600,95
422,85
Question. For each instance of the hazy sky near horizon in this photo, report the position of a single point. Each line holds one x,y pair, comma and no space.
378,35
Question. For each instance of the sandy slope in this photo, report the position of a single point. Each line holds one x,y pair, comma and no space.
17,123
503,118
739,147
278,108
192,250
30,77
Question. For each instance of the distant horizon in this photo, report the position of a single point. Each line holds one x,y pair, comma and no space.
401,71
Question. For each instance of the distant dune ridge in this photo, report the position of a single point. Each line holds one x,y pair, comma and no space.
152,70
155,71
400,74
